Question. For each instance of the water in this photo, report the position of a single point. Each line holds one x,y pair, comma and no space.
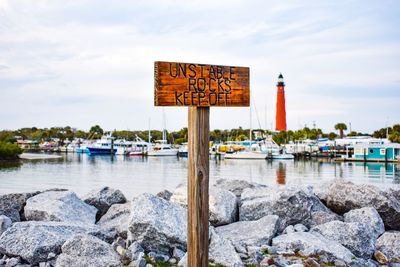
135,175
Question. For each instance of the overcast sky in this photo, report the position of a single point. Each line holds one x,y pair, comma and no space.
87,62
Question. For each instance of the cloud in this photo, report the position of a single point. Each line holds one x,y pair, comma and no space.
83,55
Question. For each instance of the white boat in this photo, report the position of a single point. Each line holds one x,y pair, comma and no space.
162,148
183,150
122,146
103,146
254,152
139,147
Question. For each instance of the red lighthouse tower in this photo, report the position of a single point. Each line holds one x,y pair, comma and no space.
280,105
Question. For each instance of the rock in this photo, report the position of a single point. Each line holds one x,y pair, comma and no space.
395,192
59,206
12,204
140,261
292,205
345,196
183,261
135,249
380,257
222,204
321,217
115,221
300,228
178,254
289,229
33,241
357,237
158,257
5,223
236,186
310,244
246,233
157,224
311,263
103,198
12,262
221,251
359,262
368,216
87,250
165,194
389,244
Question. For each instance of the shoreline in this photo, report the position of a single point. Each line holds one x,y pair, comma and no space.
341,223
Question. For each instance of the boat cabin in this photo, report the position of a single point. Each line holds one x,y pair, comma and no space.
377,152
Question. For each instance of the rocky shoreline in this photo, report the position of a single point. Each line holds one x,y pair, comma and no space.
337,224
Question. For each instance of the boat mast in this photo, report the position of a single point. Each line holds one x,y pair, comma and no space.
149,141
164,133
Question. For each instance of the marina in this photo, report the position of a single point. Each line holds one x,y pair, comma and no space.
136,175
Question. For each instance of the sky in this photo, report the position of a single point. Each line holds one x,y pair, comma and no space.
86,62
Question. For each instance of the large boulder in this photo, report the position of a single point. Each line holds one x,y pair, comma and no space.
115,221
311,244
103,198
250,233
368,216
236,186
34,241
389,244
221,251
292,205
359,238
5,223
60,206
222,204
345,196
89,251
157,224
12,204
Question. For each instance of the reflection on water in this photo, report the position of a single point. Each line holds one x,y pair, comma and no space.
135,175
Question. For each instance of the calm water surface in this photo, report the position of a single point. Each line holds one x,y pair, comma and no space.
135,175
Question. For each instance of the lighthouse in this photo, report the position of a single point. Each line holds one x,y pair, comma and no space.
280,105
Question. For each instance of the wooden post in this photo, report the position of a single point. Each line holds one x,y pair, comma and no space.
198,172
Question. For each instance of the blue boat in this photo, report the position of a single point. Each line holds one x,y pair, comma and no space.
104,146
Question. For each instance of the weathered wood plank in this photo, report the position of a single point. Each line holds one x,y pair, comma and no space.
198,182
189,84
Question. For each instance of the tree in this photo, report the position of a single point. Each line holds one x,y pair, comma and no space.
341,127
95,132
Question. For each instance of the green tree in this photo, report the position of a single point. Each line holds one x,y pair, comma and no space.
95,132
341,127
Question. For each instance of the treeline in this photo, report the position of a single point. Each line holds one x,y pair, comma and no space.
178,137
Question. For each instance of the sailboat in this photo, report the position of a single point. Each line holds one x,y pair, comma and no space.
161,147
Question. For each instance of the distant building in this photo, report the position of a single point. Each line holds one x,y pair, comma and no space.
280,105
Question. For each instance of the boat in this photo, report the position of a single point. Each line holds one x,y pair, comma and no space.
104,146
183,150
139,147
254,152
162,148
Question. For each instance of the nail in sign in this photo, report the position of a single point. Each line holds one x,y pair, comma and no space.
200,85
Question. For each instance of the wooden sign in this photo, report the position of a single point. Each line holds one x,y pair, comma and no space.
200,85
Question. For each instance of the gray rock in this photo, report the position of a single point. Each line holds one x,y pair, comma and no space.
312,243
12,204
300,228
5,223
236,186
289,229
115,221
178,254
222,204
321,217
357,237
165,194
103,198
140,261
157,224
135,249
292,205
60,206
86,250
33,241
395,192
221,251
246,233
183,261
389,244
12,262
345,196
368,216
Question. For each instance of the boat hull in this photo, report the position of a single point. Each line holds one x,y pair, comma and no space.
245,155
169,152
101,151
